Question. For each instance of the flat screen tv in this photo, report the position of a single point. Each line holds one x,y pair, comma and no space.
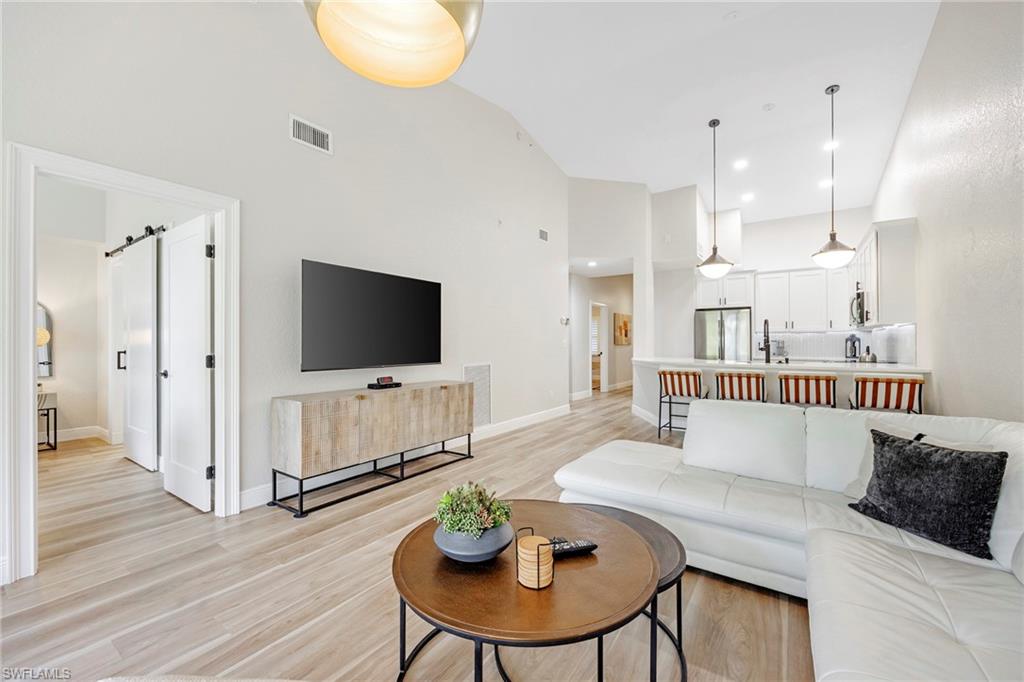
356,318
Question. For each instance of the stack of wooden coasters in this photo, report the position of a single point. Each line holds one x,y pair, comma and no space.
536,561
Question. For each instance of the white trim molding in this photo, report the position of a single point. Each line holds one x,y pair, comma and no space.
645,415
621,384
18,488
580,395
76,432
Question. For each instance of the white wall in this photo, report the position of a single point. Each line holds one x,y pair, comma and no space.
674,302
68,284
129,214
957,165
787,243
617,294
430,183
613,220
70,221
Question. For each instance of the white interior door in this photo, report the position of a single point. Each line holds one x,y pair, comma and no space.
138,293
186,383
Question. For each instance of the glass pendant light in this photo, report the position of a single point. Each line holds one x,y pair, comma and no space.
714,266
405,43
834,254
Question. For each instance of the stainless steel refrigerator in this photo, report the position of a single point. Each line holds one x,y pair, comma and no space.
722,334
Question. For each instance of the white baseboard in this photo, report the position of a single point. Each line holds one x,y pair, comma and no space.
78,432
579,395
260,494
621,384
645,415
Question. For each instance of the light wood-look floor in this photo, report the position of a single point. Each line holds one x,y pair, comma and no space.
133,581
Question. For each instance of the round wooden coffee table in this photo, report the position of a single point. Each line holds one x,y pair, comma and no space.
590,596
672,559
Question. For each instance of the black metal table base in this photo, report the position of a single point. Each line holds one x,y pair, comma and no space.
45,412
301,510
676,639
404,662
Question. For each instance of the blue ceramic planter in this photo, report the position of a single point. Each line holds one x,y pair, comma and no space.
464,547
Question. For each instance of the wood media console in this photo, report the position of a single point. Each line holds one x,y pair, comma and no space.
324,433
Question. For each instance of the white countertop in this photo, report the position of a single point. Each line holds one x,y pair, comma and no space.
794,365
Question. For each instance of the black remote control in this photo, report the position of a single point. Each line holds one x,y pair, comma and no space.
565,548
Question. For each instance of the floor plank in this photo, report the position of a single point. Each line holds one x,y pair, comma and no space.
133,581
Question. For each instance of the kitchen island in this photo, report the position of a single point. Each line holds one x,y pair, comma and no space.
646,388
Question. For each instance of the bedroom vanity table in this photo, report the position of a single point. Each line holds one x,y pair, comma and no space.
364,435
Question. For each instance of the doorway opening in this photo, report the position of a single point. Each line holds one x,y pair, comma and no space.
598,347
47,354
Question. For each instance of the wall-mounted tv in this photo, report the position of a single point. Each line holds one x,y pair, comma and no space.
356,318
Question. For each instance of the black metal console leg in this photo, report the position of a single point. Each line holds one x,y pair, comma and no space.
600,658
679,616
301,514
478,661
654,638
273,488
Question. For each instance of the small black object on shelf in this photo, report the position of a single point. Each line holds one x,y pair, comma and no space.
384,382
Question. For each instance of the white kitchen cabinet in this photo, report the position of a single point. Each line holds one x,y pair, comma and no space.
808,303
838,299
709,292
772,302
736,289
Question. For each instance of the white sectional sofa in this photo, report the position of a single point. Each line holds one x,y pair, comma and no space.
756,493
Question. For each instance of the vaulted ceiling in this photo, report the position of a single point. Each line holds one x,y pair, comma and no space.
624,91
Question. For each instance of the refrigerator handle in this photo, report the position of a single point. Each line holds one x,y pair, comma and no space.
721,337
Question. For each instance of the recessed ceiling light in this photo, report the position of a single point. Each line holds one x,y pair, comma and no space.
830,145
825,184
740,164
730,16
747,197
768,106
592,264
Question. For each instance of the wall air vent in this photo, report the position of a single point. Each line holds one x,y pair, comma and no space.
311,135
480,377
542,235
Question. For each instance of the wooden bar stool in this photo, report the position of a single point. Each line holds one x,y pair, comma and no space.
678,387
894,392
807,389
741,386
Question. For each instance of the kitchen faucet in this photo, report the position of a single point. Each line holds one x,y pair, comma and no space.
766,345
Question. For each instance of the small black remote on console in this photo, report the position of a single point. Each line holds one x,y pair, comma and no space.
562,548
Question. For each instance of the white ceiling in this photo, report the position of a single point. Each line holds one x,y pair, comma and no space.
624,91
603,267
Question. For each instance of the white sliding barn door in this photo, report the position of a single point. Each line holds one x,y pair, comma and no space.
138,293
186,294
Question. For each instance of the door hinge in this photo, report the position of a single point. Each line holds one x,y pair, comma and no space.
210,472
209,250
210,362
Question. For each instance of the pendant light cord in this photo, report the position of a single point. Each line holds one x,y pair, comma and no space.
832,145
714,183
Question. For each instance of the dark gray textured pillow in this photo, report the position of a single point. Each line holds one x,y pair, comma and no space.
948,496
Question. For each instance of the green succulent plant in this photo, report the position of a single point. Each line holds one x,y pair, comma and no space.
471,509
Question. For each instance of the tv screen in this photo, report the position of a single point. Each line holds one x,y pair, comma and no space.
356,318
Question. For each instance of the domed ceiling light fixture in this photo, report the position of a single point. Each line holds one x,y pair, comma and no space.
714,266
404,43
834,254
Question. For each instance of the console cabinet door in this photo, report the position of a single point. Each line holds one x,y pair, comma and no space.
329,436
772,301
807,300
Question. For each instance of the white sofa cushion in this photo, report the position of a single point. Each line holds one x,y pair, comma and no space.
884,612
837,443
756,440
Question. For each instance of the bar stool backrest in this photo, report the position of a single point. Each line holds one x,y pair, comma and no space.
741,386
681,383
888,392
807,389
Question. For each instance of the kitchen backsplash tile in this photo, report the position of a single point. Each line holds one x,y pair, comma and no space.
891,344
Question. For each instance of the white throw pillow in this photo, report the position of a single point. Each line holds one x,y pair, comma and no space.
859,487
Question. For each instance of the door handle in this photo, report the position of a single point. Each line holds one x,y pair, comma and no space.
164,374
121,359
